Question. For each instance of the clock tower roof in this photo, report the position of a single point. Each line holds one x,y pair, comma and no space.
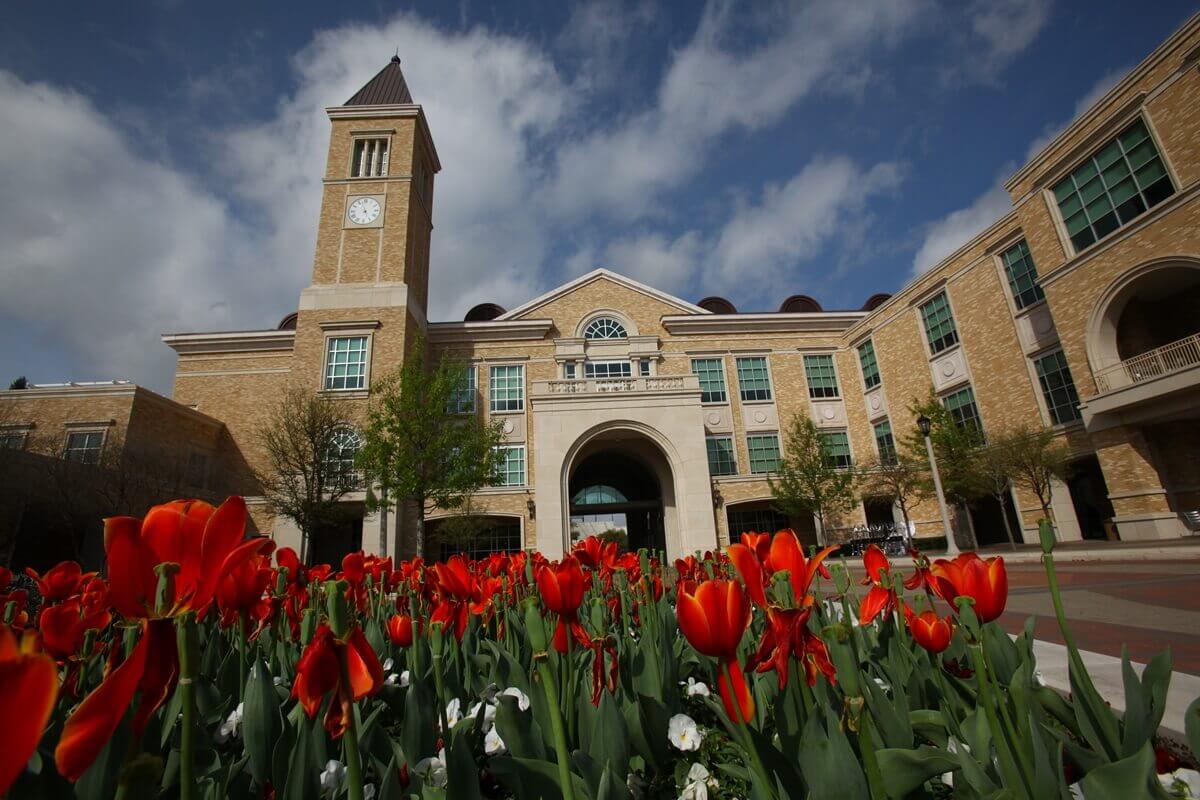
387,88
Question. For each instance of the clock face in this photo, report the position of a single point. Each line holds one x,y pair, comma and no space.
364,211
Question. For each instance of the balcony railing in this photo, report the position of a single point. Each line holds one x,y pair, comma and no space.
657,383
1155,363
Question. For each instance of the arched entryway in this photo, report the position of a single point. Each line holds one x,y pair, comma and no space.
620,484
474,535
761,516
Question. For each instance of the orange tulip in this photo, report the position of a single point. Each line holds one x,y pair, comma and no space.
968,575
882,599
562,586
28,689
319,673
787,635
713,619
400,630
64,626
931,631
784,553
60,582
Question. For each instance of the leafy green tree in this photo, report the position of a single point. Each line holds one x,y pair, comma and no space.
414,450
808,481
990,473
905,479
1034,458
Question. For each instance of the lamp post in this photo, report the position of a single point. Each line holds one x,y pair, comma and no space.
925,424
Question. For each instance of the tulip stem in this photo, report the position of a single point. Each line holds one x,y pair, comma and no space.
562,752
1008,766
741,725
350,738
185,633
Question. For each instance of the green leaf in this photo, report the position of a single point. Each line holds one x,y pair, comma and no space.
304,767
261,722
907,770
829,766
100,780
610,741
929,724
518,729
891,715
461,770
1121,780
534,779
611,787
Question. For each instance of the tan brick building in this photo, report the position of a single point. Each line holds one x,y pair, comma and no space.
622,404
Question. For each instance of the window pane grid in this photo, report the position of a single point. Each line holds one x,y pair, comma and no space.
462,399
507,388
346,363
754,382
712,379
836,445
1116,185
1022,275
604,328
963,410
344,445
607,369
764,452
940,331
370,158
755,520
504,537
721,459
1062,401
885,442
511,471
821,376
870,366
85,447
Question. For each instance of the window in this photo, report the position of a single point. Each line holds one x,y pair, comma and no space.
501,535
963,410
885,443
764,452
870,367
12,440
370,158
511,471
569,370
346,362
753,379
757,519
607,369
1057,387
507,388
821,377
344,445
85,446
837,449
712,379
462,399
644,367
1113,187
604,328
939,324
721,460
1022,275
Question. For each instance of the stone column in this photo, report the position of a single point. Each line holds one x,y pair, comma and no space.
1134,485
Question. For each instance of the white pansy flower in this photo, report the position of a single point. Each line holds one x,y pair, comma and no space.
1181,783
332,777
277,680
695,687
698,783
453,712
489,712
433,769
369,792
522,698
493,745
405,678
683,733
387,665
229,728
391,679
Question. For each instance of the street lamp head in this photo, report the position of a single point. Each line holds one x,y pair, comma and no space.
925,424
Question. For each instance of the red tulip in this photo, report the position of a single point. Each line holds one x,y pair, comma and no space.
784,553
931,631
882,599
400,630
60,582
28,689
240,591
787,635
319,673
562,586
969,575
64,626
713,619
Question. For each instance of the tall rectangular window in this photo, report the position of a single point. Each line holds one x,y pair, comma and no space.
511,470
764,452
1062,401
85,446
607,369
644,368
821,377
939,324
712,379
754,381
836,445
569,370
963,411
870,367
885,443
12,440
721,459
1113,187
1022,275
370,158
506,388
462,399
346,362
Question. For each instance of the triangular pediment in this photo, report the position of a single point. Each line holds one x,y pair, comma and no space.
589,281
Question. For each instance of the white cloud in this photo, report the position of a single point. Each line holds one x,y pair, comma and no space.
1001,30
1089,99
958,227
652,258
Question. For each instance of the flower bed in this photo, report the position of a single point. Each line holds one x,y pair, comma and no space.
208,666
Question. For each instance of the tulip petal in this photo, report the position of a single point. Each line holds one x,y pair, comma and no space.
97,717
131,578
875,601
876,563
362,666
745,561
28,689
160,674
735,693
693,623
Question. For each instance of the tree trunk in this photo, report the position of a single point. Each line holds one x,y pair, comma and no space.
383,523
820,519
1012,542
420,544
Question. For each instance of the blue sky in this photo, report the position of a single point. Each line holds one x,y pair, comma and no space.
160,163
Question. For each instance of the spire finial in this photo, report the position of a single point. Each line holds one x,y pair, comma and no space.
396,58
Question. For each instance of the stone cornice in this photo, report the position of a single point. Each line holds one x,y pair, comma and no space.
835,321
230,341
517,330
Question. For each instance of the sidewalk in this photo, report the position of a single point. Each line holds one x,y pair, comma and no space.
1070,552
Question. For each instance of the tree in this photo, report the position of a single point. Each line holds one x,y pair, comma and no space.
808,481
990,471
905,479
1034,459
414,450
307,475
20,382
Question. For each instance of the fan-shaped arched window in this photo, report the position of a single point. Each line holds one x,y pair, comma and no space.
604,328
344,445
597,495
